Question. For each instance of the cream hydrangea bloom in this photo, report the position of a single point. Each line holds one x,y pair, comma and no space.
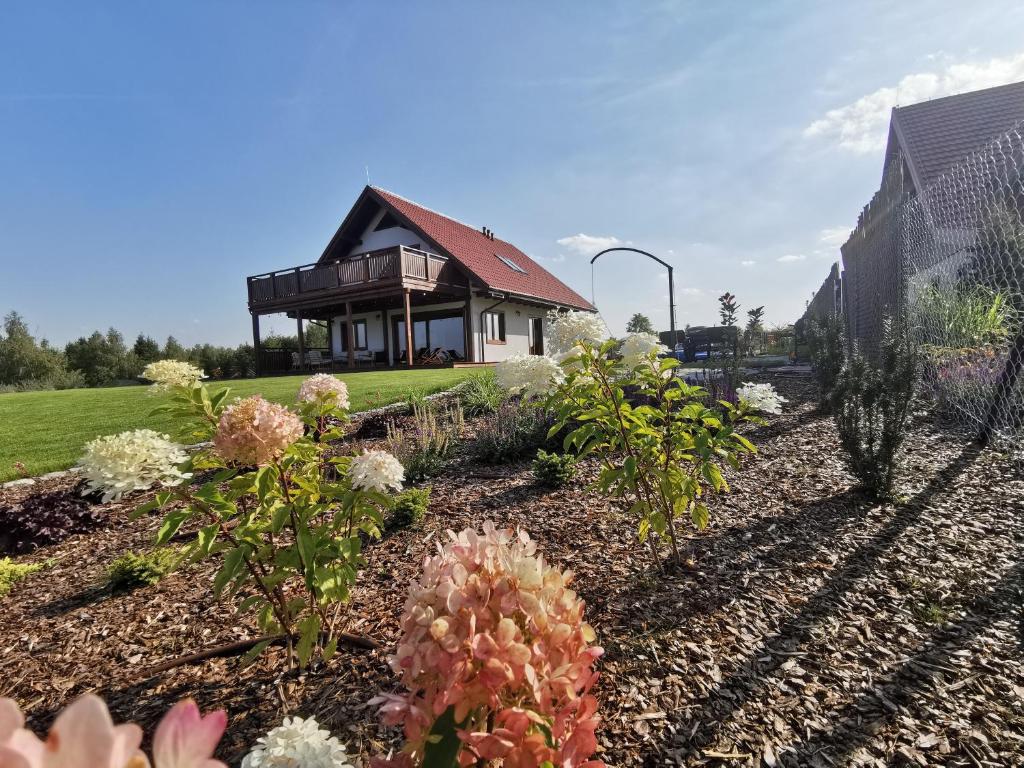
567,329
297,743
131,461
761,397
322,387
168,374
637,347
529,375
254,432
376,471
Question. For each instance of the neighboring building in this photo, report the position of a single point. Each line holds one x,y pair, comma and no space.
398,282
926,141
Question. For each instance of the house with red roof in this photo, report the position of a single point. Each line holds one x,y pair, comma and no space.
400,284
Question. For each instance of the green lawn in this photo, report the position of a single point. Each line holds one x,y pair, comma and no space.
46,430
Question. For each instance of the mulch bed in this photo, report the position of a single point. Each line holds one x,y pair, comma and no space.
814,628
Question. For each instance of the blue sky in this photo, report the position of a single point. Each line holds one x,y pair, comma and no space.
154,154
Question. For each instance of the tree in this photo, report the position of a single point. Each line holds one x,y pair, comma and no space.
173,350
639,323
146,349
728,309
103,359
754,318
22,359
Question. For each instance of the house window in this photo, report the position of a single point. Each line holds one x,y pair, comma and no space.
358,331
510,264
494,327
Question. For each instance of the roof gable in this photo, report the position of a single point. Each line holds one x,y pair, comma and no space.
936,135
483,258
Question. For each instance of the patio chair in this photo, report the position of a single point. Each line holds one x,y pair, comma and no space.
295,360
315,359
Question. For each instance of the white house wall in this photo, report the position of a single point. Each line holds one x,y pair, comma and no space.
517,329
387,238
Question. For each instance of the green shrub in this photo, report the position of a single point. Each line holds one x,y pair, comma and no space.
511,432
11,572
481,395
826,340
133,570
870,405
410,508
553,470
426,447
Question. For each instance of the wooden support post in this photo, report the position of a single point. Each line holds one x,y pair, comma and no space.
467,326
408,327
302,341
386,325
330,341
257,352
350,335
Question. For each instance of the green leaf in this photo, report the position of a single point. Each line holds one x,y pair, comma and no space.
233,562
266,477
252,653
172,522
443,744
309,633
700,516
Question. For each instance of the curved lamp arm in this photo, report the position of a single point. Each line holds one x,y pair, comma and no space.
671,287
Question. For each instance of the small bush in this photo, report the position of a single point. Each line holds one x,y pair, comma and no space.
133,570
410,508
870,405
11,572
425,448
45,519
481,395
511,432
552,470
826,340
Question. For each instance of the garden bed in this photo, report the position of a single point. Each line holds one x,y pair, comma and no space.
813,627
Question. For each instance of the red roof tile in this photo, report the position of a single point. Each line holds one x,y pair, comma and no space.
479,255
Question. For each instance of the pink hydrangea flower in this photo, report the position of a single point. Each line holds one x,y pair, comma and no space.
493,631
254,432
84,736
323,387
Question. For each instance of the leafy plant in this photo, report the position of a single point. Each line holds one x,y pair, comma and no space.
45,519
410,508
12,572
662,454
132,570
481,395
826,340
426,447
289,532
963,316
728,309
554,470
514,430
870,405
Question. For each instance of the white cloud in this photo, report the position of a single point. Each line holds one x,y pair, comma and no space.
789,258
748,263
861,125
692,292
834,237
588,245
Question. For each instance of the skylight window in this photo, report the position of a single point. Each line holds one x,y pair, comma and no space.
511,264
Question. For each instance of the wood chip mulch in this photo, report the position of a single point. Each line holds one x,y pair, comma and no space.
814,628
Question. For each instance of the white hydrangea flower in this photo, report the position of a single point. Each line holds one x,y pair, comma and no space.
297,743
530,375
761,397
376,471
567,329
168,374
638,347
132,461
323,386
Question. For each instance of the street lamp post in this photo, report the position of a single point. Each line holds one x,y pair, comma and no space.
671,287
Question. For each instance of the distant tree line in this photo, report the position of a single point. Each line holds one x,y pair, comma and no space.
105,359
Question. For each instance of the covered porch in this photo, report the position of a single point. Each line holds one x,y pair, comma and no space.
393,306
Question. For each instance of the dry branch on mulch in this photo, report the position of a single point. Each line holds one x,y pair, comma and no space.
816,628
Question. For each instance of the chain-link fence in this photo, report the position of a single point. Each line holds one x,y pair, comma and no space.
948,260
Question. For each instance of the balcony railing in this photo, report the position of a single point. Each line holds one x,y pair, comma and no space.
388,266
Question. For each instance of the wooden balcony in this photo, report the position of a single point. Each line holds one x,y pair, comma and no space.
373,273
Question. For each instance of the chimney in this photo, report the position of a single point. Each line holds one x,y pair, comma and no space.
483,231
